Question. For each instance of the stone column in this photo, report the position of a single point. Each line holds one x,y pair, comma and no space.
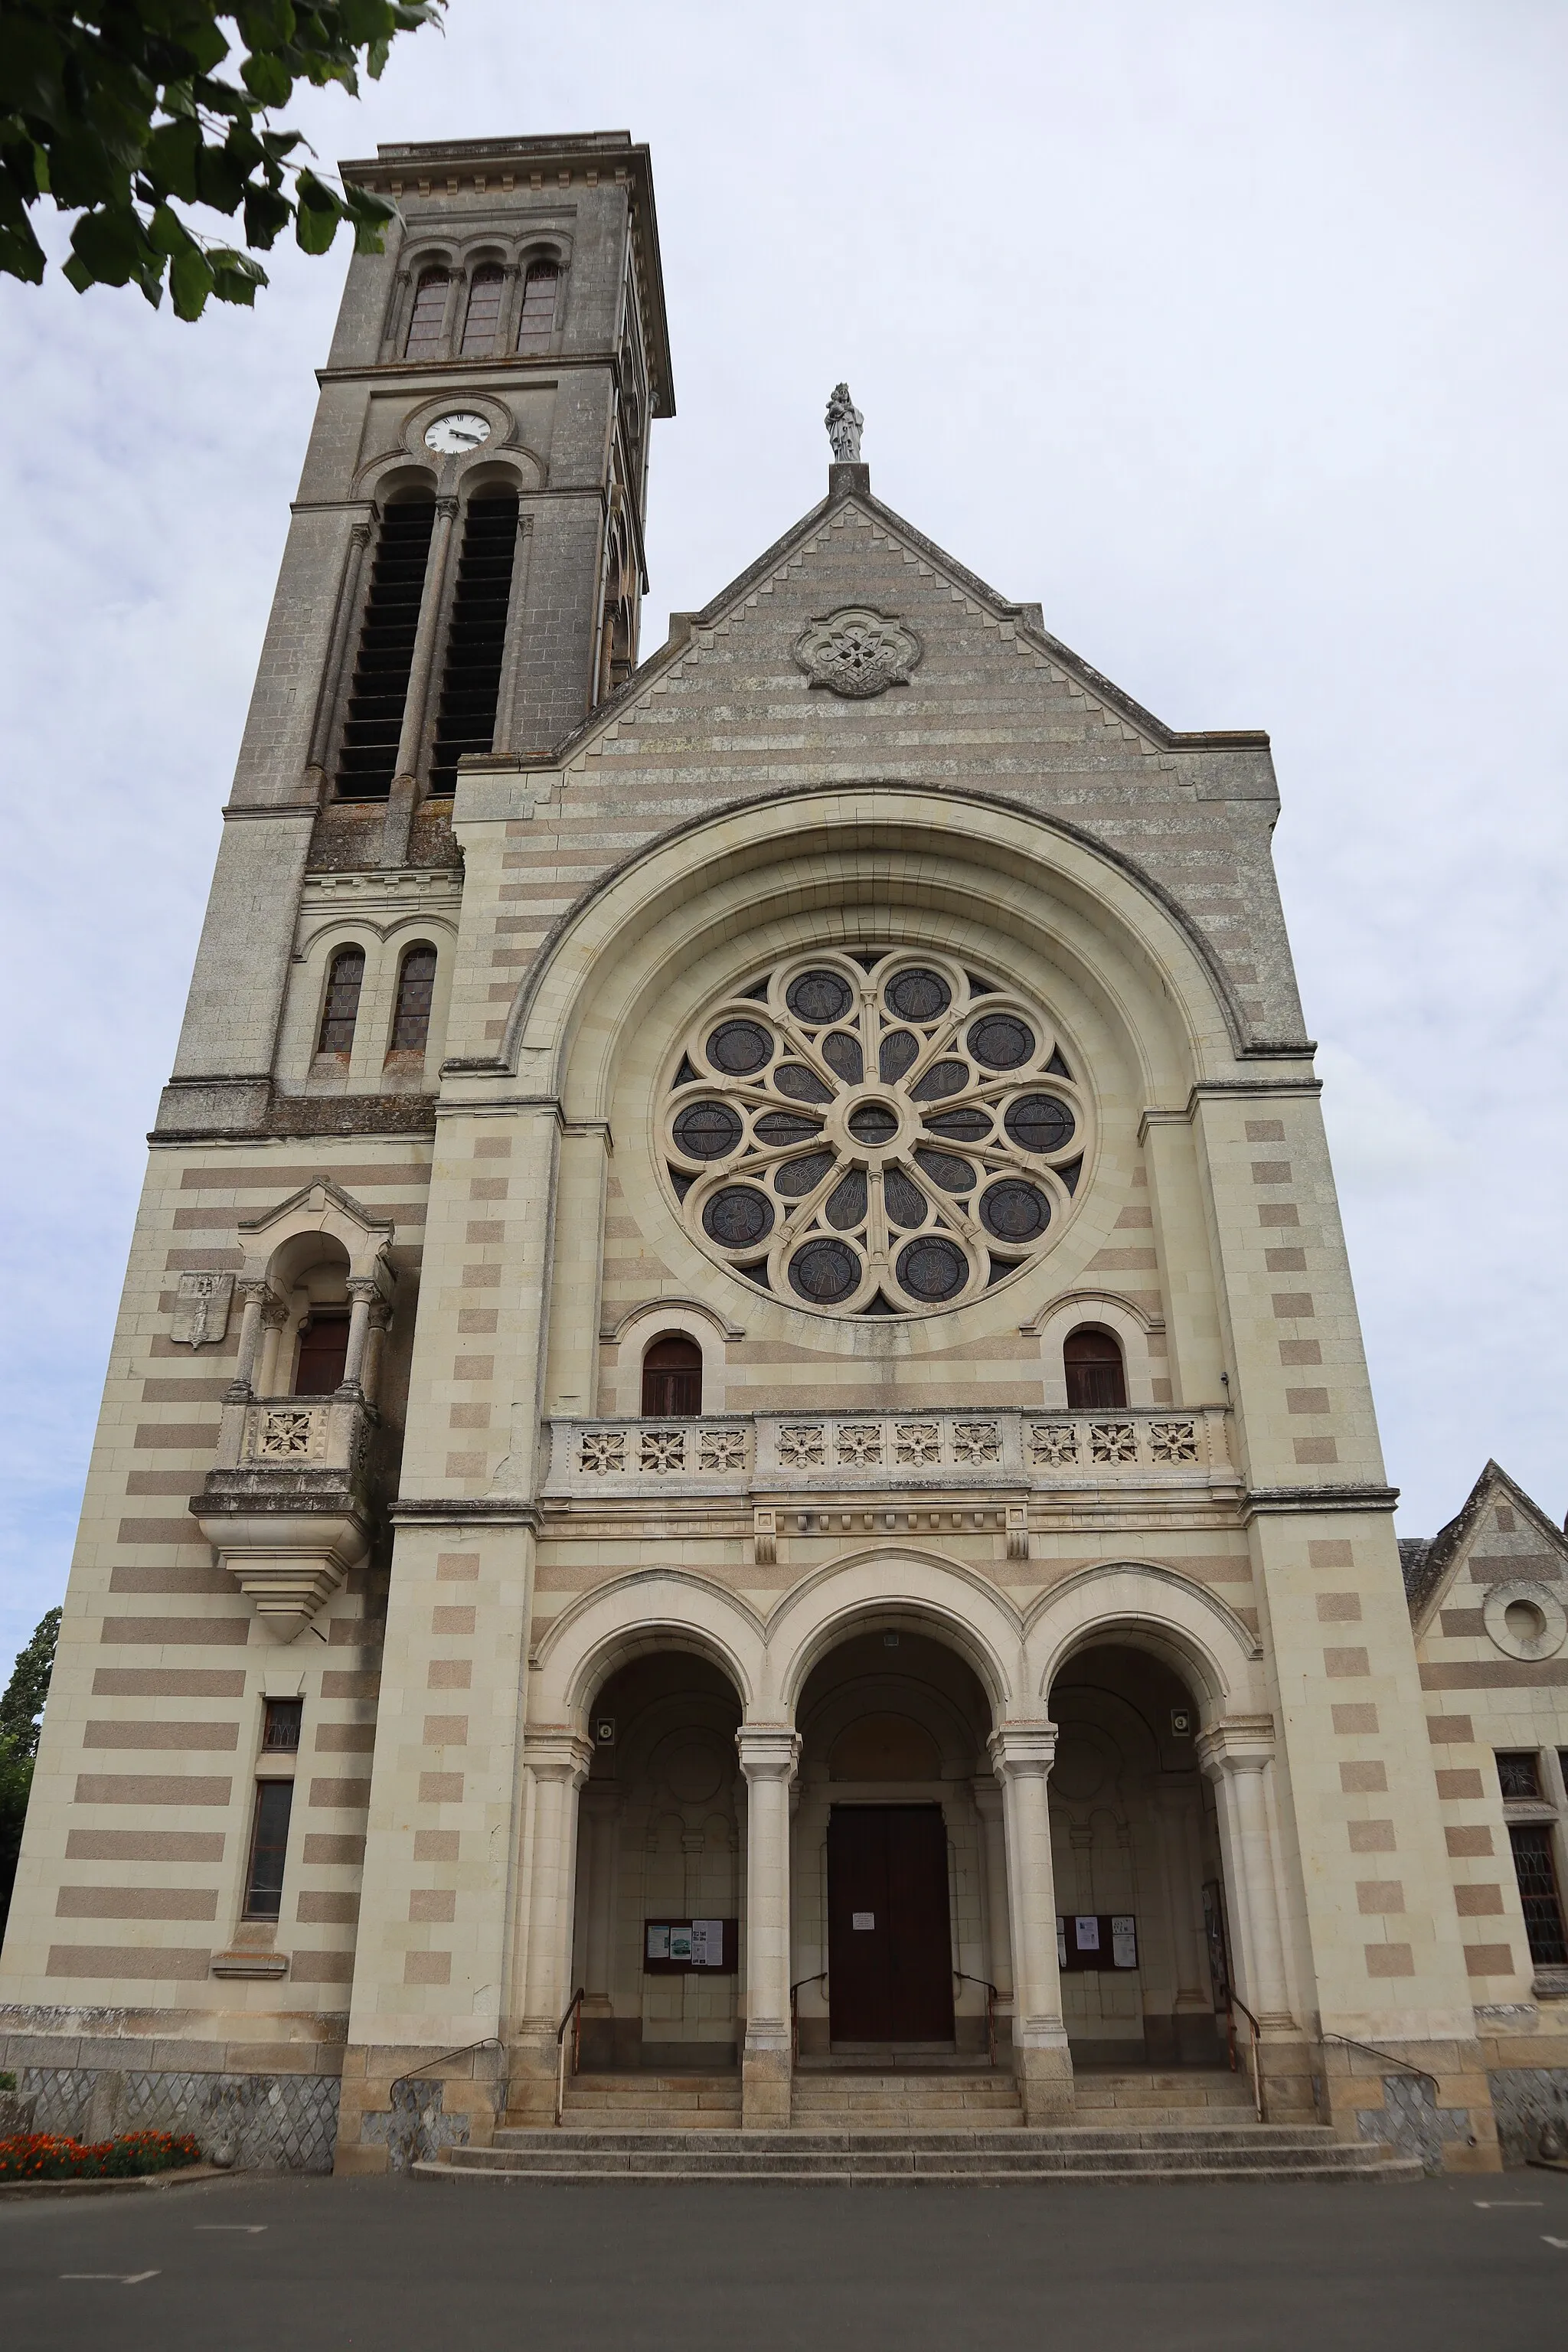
999,1939
256,1298
364,1293
351,591
511,642
403,797
558,1763
1190,2000
1235,1755
379,1318
769,1753
1022,1755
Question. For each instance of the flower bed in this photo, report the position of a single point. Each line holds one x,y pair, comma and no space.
46,2156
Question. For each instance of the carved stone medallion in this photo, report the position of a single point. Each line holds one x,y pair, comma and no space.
201,1309
858,652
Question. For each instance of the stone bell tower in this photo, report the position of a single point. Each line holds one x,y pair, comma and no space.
464,568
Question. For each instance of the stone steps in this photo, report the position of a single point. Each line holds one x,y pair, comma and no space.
1204,2152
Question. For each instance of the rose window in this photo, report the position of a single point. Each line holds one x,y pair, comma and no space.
875,1134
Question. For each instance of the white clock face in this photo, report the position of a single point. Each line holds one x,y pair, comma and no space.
451,435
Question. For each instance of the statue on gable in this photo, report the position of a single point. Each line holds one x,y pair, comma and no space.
844,421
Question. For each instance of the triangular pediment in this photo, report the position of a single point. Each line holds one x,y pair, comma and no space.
884,564
1523,1538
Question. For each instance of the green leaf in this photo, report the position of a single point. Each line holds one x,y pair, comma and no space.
191,280
266,214
235,277
170,159
267,78
318,213
21,255
167,233
109,246
220,178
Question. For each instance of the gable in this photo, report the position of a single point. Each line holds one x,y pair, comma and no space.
981,699
1500,1536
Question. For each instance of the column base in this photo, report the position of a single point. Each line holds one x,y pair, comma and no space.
766,2088
1044,2077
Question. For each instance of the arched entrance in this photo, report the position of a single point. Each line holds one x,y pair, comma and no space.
1136,1852
892,1944
659,1878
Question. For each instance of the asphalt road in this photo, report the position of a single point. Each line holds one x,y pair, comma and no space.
297,2265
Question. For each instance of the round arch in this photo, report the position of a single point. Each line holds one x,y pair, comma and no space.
1150,1608
632,1617
890,1590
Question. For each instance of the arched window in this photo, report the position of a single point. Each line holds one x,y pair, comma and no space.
672,1378
378,690
483,314
415,987
323,1352
476,640
429,311
340,1010
537,322
1096,1380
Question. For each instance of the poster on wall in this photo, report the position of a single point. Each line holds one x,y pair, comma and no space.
658,1948
1086,1932
1123,1941
707,1943
679,1947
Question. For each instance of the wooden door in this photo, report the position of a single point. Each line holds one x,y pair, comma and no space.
889,1959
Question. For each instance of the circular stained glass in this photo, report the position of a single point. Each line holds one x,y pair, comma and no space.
933,1268
801,1084
1000,1042
959,1091
786,1127
825,1272
919,995
1040,1123
818,996
873,1123
707,1130
1015,1211
738,1047
738,1216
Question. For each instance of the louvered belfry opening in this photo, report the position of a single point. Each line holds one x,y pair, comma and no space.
379,690
470,683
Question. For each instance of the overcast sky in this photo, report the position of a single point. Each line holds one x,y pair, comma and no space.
1234,334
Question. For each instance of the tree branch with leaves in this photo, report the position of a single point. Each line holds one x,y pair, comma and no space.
130,115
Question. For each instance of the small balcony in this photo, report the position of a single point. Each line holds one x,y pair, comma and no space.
290,1506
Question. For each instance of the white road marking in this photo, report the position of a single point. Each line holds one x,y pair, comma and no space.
1508,2204
115,2278
245,2229
1554,2242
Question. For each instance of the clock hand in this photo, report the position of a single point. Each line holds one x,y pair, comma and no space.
472,439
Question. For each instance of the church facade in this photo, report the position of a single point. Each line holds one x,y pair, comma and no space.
738,1391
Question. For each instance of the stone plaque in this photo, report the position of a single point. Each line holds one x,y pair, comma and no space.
201,1310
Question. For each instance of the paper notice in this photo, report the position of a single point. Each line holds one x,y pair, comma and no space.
1086,1932
1123,1942
707,1943
680,1943
863,1919
1061,1941
658,1943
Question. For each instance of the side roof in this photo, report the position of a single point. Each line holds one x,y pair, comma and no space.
1431,1564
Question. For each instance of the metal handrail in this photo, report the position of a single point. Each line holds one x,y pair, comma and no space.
1406,2065
820,1977
490,2042
573,2013
1232,2004
993,1996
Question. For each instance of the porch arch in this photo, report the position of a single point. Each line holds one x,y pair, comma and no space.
1154,1608
890,1588
663,1609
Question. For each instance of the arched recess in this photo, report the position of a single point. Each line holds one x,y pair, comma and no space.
1140,1335
632,1617
1003,875
888,1589
1150,1608
643,1324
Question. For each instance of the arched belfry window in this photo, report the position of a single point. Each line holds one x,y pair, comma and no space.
672,1378
540,288
476,642
482,316
378,690
415,991
1097,1377
340,1010
428,316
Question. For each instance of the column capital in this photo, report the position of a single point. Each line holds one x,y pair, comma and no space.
768,1751
365,1286
557,1756
1238,1743
1021,1749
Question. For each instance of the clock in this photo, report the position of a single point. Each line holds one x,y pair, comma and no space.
459,431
